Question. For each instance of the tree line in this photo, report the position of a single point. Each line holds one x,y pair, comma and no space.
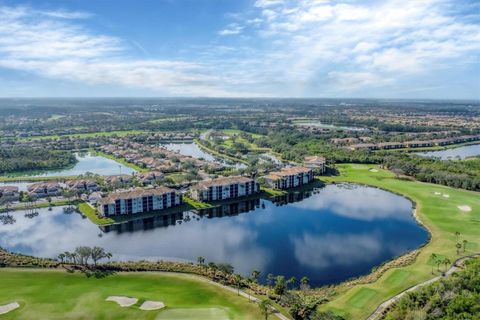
17,159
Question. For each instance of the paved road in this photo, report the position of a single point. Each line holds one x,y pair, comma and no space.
386,304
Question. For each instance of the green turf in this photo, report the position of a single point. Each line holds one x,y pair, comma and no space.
87,135
56,294
397,277
440,215
361,297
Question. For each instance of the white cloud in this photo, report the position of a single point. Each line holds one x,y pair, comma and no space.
49,44
231,29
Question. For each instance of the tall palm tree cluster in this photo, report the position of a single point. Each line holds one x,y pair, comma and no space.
83,255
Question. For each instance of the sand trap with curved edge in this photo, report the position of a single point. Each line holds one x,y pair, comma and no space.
123,301
465,208
373,170
446,195
437,193
152,305
6,308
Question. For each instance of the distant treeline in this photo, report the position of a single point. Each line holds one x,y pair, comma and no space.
23,159
453,173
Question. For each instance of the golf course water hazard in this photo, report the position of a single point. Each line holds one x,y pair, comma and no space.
328,235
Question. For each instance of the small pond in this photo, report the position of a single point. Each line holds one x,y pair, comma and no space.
86,163
193,150
453,153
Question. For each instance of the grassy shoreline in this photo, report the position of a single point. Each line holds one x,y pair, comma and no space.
439,214
119,160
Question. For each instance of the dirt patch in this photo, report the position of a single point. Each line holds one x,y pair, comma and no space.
465,208
6,308
152,305
123,301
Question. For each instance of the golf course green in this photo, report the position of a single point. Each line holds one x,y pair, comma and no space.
451,216
56,294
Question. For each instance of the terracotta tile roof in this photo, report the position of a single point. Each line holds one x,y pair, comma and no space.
134,193
285,172
221,182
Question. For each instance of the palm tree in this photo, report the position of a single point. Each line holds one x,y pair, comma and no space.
433,257
97,253
238,282
458,246
304,283
291,282
265,307
108,256
446,262
61,257
201,260
254,276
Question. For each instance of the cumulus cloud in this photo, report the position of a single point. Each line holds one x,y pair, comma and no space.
51,45
284,48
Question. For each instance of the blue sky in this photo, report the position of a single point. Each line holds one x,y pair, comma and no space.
241,48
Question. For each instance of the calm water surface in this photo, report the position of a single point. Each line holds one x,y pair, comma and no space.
86,163
460,152
193,150
328,235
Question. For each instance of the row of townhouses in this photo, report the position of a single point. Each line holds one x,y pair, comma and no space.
138,200
415,143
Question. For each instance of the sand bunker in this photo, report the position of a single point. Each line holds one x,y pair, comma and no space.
465,208
373,170
152,305
446,195
437,193
123,301
6,308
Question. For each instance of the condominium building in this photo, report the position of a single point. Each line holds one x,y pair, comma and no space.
289,177
224,188
316,163
138,200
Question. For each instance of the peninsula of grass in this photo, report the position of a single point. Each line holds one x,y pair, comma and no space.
219,154
92,214
56,294
437,208
119,160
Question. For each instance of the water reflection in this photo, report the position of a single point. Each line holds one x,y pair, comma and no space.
86,163
454,153
193,150
318,234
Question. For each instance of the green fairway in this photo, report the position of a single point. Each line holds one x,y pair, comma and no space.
56,294
437,207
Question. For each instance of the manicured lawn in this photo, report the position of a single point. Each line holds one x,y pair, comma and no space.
437,209
87,135
119,160
56,294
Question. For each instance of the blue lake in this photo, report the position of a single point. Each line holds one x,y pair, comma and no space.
86,163
453,153
329,235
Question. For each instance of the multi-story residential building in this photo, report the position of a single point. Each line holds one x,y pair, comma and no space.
224,188
289,177
9,192
138,200
45,189
316,163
